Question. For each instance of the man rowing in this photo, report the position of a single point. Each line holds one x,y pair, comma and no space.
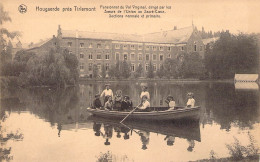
106,93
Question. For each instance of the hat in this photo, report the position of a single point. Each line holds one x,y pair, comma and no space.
145,97
107,142
97,134
126,136
97,95
190,149
118,135
126,96
144,85
190,94
168,97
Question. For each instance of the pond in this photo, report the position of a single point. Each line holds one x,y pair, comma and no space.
54,125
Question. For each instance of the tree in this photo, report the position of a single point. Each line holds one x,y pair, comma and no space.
95,71
103,71
150,73
160,72
170,67
138,71
125,70
5,36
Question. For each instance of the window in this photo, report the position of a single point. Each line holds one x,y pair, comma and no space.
140,47
81,55
154,57
98,56
132,47
154,67
140,57
133,67
107,66
161,57
161,48
90,67
125,56
182,48
81,45
98,46
99,66
147,48
125,46
107,56
81,67
132,56
90,45
107,46
147,57
146,67
90,56
168,48
154,48
117,56
117,46
195,47
69,44
169,55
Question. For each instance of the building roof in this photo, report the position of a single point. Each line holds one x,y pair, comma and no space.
39,44
246,77
171,36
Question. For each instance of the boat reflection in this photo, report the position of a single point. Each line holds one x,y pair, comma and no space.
171,130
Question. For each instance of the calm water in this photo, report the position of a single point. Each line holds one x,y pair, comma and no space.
56,126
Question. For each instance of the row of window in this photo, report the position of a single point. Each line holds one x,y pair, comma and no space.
133,66
125,56
125,46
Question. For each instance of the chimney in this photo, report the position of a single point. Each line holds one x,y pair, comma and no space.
175,28
59,34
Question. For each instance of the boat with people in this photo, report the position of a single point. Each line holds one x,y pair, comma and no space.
152,113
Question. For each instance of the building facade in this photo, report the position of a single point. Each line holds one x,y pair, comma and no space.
94,48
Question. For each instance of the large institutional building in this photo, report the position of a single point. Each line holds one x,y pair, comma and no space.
108,48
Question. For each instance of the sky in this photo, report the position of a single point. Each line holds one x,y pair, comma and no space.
233,15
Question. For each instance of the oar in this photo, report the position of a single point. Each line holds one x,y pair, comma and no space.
130,113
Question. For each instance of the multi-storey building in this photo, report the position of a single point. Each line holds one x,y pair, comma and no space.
108,48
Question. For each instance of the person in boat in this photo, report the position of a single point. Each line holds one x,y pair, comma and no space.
109,104
171,103
145,138
191,101
170,140
145,92
106,93
126,104
97,102
145,103
118,100
117,129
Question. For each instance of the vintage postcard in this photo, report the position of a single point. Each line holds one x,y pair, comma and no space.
129,80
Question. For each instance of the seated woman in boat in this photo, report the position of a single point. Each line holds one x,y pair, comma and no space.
191,101
126,104
145,92
118,100
109,104
171,103
145,103
97,102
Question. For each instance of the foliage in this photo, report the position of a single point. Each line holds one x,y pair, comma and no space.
192,66
125,70
105,157
5,37
238,152
232,54
138,71
95,71
160,72
150,73
170,68
103,71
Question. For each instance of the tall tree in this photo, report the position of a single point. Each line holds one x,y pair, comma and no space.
138,71
150,72
103,71
125,69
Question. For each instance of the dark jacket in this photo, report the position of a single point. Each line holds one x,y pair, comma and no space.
97,103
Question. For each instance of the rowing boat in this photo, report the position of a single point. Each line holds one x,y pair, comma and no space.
156,113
